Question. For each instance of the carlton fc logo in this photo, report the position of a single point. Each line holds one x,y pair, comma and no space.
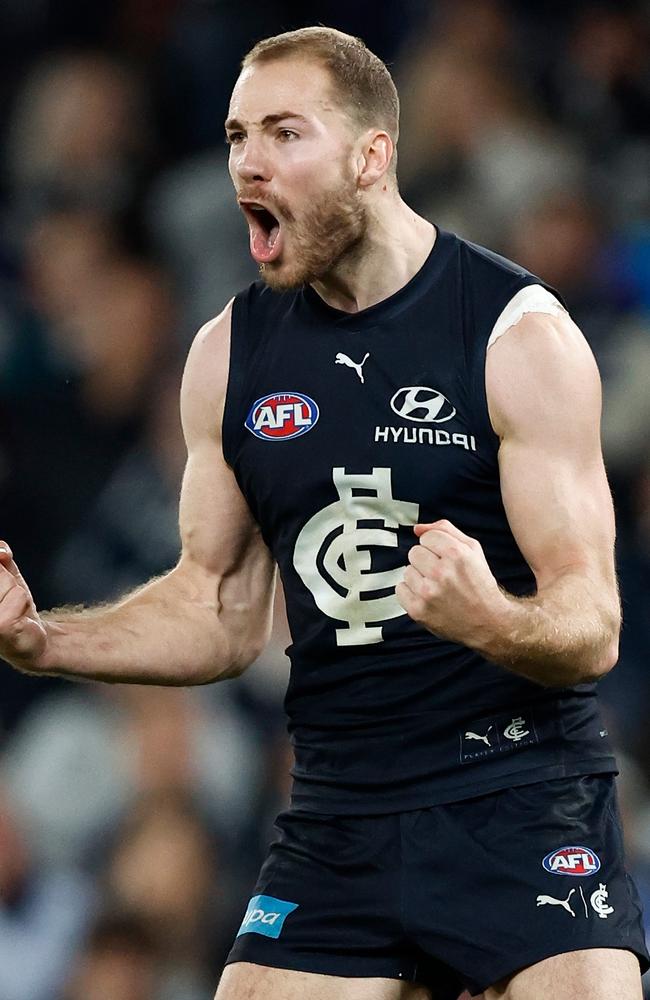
422,404
282,416
335,550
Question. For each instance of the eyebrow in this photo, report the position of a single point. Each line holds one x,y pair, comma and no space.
234,123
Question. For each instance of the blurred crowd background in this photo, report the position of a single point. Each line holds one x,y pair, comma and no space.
133,821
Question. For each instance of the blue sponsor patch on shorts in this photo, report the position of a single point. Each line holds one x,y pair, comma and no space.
266,915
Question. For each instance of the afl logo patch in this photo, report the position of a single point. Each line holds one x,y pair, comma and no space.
572,861
281,416
422,404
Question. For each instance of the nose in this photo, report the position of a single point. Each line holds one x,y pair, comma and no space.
249,161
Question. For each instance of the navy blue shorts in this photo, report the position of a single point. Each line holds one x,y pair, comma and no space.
453,896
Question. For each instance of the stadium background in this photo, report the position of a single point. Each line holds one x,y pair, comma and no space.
132,822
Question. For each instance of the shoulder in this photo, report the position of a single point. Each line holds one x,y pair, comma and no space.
484,259
529,299
492,280
541,373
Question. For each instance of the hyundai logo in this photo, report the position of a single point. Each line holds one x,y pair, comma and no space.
422,404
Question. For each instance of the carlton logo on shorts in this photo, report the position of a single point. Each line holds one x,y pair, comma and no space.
282,416
266,915
577,861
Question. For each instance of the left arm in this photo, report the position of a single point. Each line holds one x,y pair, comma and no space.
544,399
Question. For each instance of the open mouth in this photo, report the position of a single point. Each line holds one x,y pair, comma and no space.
264,231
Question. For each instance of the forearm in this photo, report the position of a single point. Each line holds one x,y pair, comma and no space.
173,631
566,634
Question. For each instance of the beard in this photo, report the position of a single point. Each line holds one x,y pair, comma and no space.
328,233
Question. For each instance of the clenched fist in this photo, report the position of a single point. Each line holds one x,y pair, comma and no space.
449,588
22,633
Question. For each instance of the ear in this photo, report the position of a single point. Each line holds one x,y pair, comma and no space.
374,159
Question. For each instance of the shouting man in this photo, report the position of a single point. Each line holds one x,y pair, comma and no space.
408,426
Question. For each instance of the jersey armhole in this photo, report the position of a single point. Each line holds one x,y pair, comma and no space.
234,387
532,298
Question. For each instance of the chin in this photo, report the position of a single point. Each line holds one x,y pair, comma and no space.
281,278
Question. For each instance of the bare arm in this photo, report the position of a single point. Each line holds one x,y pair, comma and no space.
544,400
206,619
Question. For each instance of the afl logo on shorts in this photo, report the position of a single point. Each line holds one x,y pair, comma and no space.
572,861
281,416
422,404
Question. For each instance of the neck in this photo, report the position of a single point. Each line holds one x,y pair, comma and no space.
395,247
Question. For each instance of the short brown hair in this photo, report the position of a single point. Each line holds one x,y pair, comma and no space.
361,80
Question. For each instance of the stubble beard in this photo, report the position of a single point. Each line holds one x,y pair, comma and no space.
330,232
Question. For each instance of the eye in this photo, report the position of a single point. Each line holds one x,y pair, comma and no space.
234,138
287,134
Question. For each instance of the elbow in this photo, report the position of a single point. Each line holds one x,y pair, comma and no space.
601,661
609,651
607,660
250,651
240,657
603,654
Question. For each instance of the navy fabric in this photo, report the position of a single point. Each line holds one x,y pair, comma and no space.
343,430
453,896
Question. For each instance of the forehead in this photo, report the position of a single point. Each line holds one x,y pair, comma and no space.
304,85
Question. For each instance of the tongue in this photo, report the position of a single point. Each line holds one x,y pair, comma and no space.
265,247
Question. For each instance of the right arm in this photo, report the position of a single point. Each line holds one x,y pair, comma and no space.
205,620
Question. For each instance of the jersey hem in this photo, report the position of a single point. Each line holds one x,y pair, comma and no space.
303,802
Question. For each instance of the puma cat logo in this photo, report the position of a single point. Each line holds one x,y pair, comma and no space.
343,359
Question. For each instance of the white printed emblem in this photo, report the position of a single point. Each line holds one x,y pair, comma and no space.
333,560
516,731
543,900
598,900
476,736
255,916
422,404
343,359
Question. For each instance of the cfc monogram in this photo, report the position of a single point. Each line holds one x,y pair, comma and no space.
516,730
333,560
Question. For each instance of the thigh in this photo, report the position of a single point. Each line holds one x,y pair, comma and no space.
597,974
245,981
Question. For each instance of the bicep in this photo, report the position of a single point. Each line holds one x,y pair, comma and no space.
544,397
218,531
222,546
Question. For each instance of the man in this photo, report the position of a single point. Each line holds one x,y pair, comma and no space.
453,822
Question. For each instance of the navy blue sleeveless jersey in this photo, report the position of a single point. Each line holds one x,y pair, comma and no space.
343,431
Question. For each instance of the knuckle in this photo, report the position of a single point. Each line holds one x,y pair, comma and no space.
418,610
400,593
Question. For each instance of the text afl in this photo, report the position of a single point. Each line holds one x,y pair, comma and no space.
577,861
282,416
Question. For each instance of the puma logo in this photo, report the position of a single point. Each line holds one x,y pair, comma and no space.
564,903
476,736
343,359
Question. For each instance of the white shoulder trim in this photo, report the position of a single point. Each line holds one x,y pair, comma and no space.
532,298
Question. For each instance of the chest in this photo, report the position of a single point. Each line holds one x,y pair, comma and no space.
389,414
